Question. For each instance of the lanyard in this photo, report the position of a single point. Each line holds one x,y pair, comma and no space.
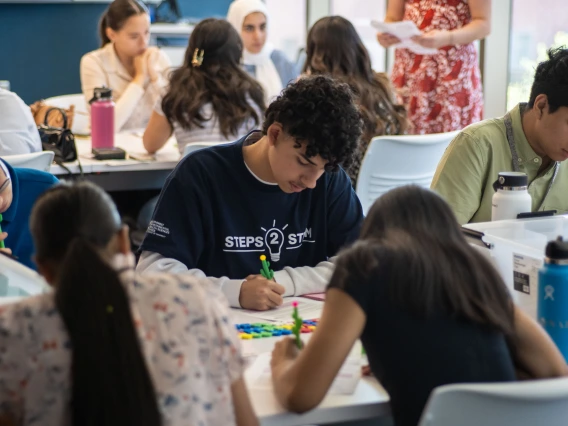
513,148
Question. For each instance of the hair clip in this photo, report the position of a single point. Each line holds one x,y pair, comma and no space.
197,58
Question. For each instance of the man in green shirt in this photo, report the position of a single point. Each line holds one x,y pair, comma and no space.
531,138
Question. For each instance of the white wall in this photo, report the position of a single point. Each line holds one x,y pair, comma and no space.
496,60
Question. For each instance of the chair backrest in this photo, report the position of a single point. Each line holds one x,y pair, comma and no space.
529,403
81,119
36,160
393,161
196,146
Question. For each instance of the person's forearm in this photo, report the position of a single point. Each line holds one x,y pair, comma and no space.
126,104
152,144
151,262
534,351
153,140
305,279
392,19
285,379
395,10
475,30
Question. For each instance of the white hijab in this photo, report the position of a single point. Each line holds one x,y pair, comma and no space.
266,72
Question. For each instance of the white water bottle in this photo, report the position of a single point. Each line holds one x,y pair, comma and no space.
511,196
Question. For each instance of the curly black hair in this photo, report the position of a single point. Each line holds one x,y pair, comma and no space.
551,79
321,112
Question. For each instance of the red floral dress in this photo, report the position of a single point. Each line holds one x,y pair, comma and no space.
443,91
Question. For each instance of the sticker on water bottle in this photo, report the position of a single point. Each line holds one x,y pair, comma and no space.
525,272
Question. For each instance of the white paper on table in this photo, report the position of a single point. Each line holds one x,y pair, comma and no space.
307,309
259,375
404,30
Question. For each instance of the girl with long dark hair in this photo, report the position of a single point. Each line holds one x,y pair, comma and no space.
334,48
210,98
108,347
429,309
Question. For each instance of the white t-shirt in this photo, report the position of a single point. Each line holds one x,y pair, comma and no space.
191,349
18,131
133,103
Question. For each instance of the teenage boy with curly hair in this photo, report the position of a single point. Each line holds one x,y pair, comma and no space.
279,192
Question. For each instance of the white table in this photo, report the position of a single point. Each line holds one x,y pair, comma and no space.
369,400
114,175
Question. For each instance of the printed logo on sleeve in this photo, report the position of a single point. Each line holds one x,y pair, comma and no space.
274,240
158,229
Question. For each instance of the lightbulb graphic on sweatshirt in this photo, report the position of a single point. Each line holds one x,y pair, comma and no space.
274,240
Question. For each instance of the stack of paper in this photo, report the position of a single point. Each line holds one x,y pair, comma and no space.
308,309
404,30
259,375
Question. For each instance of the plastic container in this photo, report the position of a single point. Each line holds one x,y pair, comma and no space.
102,118
517,248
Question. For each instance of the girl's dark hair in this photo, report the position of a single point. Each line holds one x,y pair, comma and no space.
219,80
111,383
334,48
411,236
117,14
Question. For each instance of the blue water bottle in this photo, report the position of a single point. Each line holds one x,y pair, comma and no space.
553,294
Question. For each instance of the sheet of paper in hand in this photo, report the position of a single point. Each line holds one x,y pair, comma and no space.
404,30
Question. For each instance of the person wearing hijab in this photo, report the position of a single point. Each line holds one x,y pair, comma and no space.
261,60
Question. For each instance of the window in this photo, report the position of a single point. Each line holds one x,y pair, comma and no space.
533,31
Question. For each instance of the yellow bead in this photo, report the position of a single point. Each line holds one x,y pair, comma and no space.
245,336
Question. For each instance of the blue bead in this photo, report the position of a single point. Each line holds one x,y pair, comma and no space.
286,332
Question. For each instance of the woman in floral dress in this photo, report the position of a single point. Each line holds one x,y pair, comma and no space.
441,91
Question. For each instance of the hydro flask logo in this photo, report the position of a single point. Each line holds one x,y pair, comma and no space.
549,293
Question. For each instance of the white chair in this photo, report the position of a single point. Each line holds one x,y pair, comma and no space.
81,124
36,160
196,146
530,403
393,161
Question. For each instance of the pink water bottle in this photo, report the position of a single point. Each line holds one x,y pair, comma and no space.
102,118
